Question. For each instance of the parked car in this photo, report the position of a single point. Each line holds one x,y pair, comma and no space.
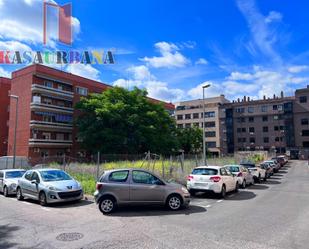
244,176
9,179
277,165
257,172
136,186
48,186
216,179
269,167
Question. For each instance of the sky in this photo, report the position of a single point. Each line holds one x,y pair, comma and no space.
172,48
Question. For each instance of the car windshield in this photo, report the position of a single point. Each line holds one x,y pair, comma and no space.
233,168
14,174
203,171
54,175
248,166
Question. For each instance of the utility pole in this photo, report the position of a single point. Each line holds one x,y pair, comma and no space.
204,138
15,129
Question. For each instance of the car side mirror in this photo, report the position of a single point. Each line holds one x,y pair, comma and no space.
34,182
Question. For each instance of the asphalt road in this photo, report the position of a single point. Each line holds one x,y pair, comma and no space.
274,214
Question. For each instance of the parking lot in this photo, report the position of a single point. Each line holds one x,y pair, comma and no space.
273,214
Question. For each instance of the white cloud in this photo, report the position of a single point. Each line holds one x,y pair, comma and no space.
273,16
140,73
4,73
23,21
86,71
14,46
240,76
170,56
201,61
298,69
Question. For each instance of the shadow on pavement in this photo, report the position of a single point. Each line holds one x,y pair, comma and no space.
276,175
276,178
258,187
241,196
272,182
5,235
138,211
71,204
283,171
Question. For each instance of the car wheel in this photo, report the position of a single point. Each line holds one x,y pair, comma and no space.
259,178
174,202
244,184
265,178
192,192
5,191
42,199
223,191
19,194
107,205
236,187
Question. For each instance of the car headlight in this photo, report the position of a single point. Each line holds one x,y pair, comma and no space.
184,190
13,185
52,188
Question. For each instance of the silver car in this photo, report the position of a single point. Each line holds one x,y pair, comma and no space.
136,186
9,179
48,186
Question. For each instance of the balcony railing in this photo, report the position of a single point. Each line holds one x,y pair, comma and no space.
45,89
49,142
55,108
50,125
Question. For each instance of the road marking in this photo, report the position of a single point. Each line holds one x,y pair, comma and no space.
46,209
219,200
27,203
208,206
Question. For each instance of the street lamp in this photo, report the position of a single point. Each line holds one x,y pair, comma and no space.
204,109
15,129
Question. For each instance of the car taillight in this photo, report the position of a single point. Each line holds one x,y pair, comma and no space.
99,186
189,178
215,178
239,174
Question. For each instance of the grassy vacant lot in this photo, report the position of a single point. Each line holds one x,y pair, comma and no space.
86,174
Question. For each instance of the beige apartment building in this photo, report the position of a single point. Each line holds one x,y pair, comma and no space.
190,113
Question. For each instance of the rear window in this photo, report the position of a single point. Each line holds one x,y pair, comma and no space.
207,172
119,176
233,169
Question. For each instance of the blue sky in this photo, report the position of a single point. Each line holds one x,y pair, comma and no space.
242,47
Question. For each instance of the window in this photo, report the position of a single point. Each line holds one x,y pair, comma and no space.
280,107
47,101
211,144
265,128
210,114
251,119
210,124
180,125
252,140
238,130
210,134
241,140
265,118
303,99
281,128
241,120
81,91
275,107
243,129
188,116
304,121
47,118
250,109
205,171
119,176
195,115
60,136
28,175
276,117
1,175
46,135
48,84
306,144
188,125
179,117
266,139
240,110
142,177
251,129
276,128
196,124
264,108
305,133
223,172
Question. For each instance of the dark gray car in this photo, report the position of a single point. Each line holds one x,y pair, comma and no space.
136,186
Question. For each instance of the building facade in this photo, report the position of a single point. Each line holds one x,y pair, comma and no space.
5,86
190,113
46,112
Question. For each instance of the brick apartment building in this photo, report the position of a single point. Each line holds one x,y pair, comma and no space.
190,113
46,111
5,86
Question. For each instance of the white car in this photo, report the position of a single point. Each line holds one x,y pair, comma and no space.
257,172
216,179
9,179
244,176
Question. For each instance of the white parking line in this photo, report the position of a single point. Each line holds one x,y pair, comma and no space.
208,206
46,209
219,200
27,203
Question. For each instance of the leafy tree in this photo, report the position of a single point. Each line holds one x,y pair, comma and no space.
122,121
190,139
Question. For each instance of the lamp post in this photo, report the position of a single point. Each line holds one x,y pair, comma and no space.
204,109
15,129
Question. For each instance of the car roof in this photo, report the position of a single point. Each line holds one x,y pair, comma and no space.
11,170
232,165
209,167
45,169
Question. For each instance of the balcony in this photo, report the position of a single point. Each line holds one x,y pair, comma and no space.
36,88
37,106
50,126
49,142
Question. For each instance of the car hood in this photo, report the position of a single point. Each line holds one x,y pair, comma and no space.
11,180
63,185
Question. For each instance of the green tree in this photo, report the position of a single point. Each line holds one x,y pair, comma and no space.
123,121
190,139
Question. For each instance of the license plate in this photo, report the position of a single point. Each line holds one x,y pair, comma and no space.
203,184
